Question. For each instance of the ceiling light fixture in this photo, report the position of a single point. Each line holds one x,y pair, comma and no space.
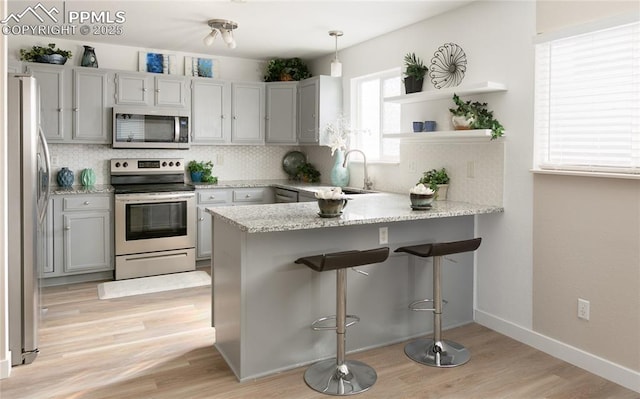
225,28
336,65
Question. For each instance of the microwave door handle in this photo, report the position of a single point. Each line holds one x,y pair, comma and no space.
176,129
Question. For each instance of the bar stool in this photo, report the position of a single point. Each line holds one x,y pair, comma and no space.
339,376
437,352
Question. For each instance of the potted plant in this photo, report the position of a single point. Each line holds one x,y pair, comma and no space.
47,55
438,181
286,69
474,115
308,173
415,70
201,172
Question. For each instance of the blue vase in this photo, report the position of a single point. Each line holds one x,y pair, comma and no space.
339,174
65,177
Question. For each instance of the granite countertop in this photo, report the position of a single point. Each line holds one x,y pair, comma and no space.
362,209
97,189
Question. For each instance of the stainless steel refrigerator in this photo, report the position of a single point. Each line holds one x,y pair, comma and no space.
28,195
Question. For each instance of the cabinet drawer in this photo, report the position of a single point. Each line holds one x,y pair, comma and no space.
82,203
213,196
248,195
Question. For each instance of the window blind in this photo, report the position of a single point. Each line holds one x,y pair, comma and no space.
587,101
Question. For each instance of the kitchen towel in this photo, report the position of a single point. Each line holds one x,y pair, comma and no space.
147,285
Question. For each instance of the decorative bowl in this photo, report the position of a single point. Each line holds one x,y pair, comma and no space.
331,206
421,200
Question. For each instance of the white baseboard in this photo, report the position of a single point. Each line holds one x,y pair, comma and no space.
5,367
604,368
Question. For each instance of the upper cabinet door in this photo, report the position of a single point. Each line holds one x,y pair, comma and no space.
91,121
247,108
210,121
281,121
308,111
170,91
53,113
134,89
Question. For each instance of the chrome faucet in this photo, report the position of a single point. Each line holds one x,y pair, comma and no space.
368,184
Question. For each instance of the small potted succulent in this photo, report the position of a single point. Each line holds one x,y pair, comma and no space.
474,115
438,181
415,70
47,55
201,172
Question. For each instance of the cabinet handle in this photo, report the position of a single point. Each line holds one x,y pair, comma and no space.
235,117
212,197
67,227
157,90
59,109
75,110
86,202
248,196
144,89
221,116
201,219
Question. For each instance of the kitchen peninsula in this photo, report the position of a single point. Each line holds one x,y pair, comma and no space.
264,303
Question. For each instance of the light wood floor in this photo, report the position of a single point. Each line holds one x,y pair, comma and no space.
160,346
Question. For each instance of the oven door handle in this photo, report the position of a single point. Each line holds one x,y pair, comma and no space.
153,197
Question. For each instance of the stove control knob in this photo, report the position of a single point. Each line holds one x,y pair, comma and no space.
117,164
125,164
171,163
178,163
164,164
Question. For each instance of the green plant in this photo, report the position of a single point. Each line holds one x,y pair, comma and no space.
203,167
434,177
286,69
36,52
479,116
307,172
414,66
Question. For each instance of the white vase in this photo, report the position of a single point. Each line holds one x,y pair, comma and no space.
461,122
441,195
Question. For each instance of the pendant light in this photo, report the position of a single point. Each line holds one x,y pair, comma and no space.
336,65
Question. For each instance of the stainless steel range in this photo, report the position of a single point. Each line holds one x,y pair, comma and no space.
154,217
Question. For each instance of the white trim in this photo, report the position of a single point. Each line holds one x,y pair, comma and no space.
594,364
5,367
592,26
585,173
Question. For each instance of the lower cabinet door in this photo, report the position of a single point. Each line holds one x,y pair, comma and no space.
87,241
203,234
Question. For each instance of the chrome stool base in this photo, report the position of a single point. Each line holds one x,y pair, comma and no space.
351,378
422,351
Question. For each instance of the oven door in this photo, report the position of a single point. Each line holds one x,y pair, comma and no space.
152,222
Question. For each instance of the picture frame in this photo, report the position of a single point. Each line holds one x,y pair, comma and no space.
202,67
156,62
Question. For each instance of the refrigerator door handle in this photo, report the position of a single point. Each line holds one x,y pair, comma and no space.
47,162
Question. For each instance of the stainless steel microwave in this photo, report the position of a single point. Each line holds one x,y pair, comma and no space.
149,127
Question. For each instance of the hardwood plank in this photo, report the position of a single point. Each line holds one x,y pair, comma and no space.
161,346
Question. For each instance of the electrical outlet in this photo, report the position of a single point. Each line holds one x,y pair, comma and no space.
583,309
219,159
412,166
383,234
54,160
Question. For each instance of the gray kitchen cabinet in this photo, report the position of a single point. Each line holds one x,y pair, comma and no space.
82,234
212,197
91,116
281,113
206,198
55,99
210,111
319,103
147,89
247,110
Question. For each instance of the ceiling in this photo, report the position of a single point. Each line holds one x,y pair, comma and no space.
266,29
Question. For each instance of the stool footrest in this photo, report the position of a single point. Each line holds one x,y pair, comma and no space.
414,305
316,325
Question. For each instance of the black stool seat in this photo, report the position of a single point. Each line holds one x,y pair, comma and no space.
442,248
339,376
438,352
343,260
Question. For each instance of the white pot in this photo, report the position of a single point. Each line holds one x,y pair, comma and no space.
441,195
461,122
